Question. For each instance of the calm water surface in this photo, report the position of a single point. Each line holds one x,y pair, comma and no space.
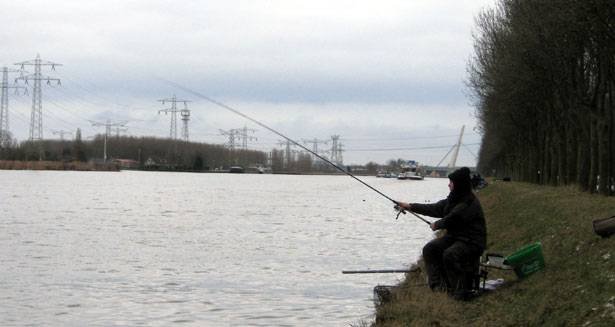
163,249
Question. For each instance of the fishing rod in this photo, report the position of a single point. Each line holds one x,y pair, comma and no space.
379,271
237,112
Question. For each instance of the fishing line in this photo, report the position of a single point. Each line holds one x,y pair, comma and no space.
237,112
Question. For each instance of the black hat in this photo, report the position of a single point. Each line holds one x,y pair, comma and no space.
460,176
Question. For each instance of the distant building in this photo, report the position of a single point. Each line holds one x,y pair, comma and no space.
150,163
126,163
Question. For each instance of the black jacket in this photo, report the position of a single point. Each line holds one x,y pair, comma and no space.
464,220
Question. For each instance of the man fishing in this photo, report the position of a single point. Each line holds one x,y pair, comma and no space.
451,260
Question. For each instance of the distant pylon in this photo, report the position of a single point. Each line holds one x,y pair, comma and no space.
118,130
238,134
336,150
173,110
243,133
288,153
4,105
36,117
108,126
315,143
62,133
185,113
233,135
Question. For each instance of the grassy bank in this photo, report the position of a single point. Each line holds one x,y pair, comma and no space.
577,287
56,165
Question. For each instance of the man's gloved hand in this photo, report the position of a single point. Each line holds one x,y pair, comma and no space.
399,206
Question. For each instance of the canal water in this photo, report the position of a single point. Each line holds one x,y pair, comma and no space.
158,249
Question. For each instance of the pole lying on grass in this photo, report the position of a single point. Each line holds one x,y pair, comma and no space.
237,112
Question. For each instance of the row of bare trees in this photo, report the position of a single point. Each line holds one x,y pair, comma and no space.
543,79
155,153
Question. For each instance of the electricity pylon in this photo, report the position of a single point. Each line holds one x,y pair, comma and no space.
315,143
233,136
173,110
62,133
36,117
288,153
238,134
119,130
243,134
185,113
4,105
336,150
108,126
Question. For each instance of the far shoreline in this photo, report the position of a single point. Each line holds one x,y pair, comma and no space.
57,165
114,167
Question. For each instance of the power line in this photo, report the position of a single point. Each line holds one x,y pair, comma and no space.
57,119
94,94
470,151
47,115
20,118
61,107
401,148
379,139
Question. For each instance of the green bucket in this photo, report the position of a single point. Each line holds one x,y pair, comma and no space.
526,260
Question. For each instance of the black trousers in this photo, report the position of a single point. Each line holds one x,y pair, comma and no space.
451,264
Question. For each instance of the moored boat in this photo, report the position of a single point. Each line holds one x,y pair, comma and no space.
236,170
410,170
385,174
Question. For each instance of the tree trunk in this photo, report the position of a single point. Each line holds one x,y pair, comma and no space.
603,155
546,167
583,164
611,109
593,156
571,156
562,158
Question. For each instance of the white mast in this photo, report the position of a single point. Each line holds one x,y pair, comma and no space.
451,165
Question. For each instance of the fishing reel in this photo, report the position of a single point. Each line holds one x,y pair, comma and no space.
400,210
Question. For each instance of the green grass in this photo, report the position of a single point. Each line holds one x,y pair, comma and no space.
576,288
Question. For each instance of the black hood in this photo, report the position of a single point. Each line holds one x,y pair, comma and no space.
462,184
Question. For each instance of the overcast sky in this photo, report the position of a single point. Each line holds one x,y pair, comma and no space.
387,76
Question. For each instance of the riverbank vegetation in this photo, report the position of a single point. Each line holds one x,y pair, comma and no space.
57,165
543,81
576,288
150,153
146,152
